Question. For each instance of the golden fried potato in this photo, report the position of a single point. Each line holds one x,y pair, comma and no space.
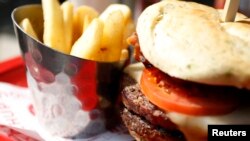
114,7
129,27
128,30
124,54
79,21
88,46
54,36
87,21
27,28
67,9
114,23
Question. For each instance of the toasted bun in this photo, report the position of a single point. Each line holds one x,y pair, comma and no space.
189,41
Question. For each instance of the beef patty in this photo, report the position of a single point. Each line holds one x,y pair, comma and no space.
143,119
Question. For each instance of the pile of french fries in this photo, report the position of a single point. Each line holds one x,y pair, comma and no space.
83,32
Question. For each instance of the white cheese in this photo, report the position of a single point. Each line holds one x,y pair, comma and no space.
135,71
195,127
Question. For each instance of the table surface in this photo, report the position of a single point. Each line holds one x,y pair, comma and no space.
8,46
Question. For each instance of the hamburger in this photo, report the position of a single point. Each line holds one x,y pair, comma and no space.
194,72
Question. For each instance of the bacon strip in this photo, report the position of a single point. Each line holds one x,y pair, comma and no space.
134,41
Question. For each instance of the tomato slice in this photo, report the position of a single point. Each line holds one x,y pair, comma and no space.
172,94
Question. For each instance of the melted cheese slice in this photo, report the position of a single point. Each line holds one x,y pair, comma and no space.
195,127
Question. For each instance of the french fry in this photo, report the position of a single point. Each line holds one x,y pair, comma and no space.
129,27
27,27
79,19
53,26
88,46
67,9
87,21
128,30
124,54
114,23
114,7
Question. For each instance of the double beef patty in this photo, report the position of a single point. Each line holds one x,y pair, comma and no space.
144,120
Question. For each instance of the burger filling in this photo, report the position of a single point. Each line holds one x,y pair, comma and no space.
189,105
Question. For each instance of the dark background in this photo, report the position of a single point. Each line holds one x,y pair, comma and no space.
6,7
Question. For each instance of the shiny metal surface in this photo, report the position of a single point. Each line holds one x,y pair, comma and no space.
73,97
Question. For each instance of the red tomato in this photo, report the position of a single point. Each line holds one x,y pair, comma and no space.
191,98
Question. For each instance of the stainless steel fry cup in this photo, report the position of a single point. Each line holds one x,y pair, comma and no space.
73,97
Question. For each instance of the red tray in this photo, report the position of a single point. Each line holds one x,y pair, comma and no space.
4,138
13,71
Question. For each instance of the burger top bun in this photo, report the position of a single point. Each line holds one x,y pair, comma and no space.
189,41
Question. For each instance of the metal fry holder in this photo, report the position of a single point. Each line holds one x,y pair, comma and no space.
72,97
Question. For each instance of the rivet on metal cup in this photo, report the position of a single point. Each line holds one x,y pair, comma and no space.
72,96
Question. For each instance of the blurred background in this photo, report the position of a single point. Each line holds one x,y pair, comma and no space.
8,43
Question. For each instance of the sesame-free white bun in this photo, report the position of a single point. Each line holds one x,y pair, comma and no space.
189,41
